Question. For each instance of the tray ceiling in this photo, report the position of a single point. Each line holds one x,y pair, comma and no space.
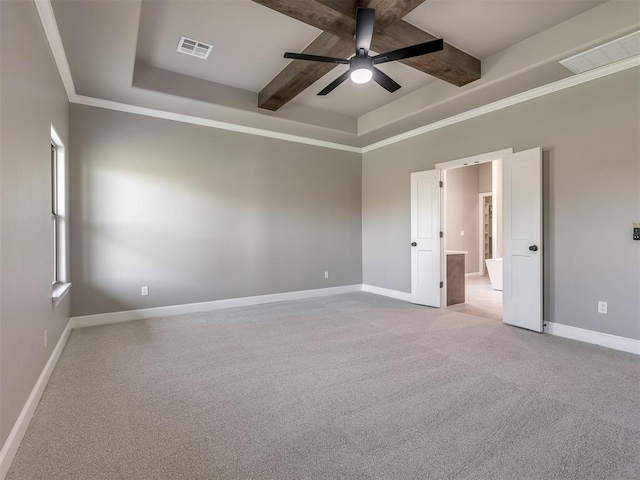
125,51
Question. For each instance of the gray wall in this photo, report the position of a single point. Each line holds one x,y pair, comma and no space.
32,99
199,214
462,203
484,180
592,196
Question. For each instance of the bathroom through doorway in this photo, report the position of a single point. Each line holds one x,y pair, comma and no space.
472,214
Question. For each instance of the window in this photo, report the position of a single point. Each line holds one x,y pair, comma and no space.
59,278
55,240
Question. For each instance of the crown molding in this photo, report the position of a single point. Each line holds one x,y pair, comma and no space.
50,26
510,101
47,18
206,122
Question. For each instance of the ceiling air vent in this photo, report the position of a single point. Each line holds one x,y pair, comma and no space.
620,49
194,48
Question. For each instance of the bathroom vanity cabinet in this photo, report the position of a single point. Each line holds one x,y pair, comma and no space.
455,277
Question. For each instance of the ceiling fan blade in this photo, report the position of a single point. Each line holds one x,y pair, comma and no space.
385,80
365,19
329,88
315,58
408,52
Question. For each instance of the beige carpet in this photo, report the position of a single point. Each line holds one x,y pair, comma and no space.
352,386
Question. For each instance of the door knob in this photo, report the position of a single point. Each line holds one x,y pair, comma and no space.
533,248
414,244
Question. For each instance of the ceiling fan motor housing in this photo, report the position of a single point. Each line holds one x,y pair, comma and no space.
359,62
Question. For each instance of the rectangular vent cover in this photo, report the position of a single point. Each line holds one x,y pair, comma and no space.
611,52
194,48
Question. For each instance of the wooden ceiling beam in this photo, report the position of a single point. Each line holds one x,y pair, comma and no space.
451,64
337,19
298,76
318,14
388,12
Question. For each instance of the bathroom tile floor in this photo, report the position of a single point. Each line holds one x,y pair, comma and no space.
481,299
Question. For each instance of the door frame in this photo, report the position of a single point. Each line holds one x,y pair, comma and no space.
442,167
481,265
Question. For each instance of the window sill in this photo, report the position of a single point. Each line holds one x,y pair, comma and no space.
60,290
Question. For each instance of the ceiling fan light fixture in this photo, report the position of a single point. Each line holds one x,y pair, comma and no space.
361,69
361,75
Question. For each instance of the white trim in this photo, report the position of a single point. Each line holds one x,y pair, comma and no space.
510,101
386,292
157,312
615,342
474,159
16,435
443,239
473,274
62,207
60,290
55,138
50,26
206,122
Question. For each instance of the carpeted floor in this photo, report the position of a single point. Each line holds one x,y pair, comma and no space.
353,386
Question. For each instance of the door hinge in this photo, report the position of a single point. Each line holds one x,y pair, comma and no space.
441,234
441,184
441,284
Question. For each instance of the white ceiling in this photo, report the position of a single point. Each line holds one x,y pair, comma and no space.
249,41
125,51
484,27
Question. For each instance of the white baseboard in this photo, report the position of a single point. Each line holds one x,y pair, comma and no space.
386,292
117,317
597,338
473,274
16,435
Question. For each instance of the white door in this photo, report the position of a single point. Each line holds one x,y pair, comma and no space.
425,238
522,237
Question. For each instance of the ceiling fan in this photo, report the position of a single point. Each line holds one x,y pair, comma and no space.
362,66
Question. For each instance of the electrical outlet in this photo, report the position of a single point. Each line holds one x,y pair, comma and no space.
602,307
462,233
144,291
326,274
45,338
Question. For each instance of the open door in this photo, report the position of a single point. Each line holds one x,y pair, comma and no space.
425,238
522,237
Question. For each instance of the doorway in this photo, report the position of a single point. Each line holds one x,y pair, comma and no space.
471,214
517,219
